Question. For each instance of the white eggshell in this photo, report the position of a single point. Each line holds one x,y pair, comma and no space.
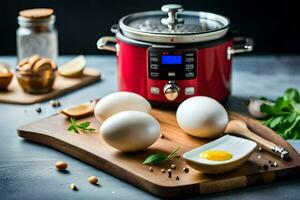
130,131
202,116
118,102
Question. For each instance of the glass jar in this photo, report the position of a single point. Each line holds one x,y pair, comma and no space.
37,36
36,83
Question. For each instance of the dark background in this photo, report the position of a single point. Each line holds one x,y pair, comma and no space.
274,25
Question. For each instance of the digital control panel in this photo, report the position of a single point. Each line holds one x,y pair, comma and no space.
171,64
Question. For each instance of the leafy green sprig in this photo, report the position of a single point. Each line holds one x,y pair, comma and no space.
284,115
158,158
75,127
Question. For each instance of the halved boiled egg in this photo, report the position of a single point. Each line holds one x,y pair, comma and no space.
221,155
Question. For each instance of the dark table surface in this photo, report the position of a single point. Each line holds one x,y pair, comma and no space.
27,170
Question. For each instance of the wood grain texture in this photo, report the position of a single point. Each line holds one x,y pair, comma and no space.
90,148
62,85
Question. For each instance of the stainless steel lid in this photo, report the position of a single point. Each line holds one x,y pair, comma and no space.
173,25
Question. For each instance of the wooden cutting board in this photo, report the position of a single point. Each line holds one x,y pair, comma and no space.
90,148
62,85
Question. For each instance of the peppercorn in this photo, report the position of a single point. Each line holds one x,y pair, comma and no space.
54,103
38,110
186,169
163,171
265,167
177,178
73,187
169,173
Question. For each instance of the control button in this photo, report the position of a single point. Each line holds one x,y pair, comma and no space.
154,59
171,74
154,66
154,74
189,91
189,74
171,90
154,90
189,66
191,59
189,54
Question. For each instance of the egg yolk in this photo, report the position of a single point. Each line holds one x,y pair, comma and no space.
216,155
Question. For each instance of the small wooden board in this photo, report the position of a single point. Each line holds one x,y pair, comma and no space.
62,85
90,148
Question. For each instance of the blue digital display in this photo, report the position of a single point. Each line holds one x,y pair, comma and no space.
172,60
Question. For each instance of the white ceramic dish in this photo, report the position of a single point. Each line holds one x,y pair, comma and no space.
240,149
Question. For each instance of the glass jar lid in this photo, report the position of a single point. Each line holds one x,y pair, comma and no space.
173,25
37,18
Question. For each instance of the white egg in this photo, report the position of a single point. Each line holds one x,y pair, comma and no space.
202,116
118,102
130,131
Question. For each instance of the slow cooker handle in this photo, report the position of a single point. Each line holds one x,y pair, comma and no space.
107,43
247,46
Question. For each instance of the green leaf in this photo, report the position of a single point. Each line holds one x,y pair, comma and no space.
268,109
296,107
292,117
155,158
280,103
73,120
73,128
84,125
160,157
284,116
291,94
275,122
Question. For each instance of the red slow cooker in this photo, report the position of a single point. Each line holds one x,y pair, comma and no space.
170,55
